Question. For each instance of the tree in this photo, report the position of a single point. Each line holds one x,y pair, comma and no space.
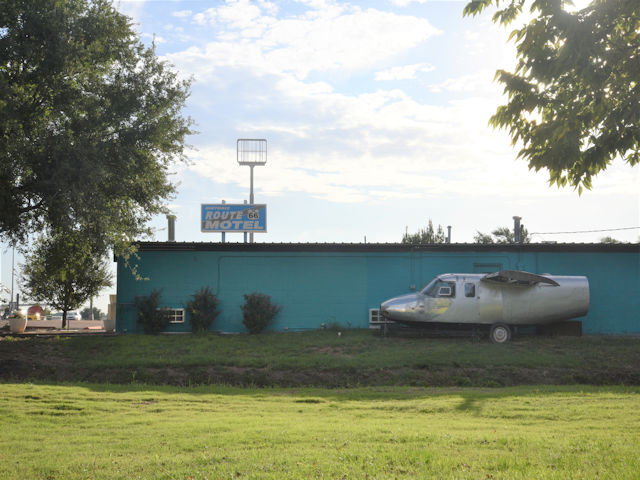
609,239
575,94
501,235
63,271
426,235
90,122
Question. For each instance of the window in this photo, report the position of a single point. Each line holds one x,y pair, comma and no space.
470,290
176,315
440,288
447,289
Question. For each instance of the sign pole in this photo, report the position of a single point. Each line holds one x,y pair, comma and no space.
223,233
245,233
251,152
251,197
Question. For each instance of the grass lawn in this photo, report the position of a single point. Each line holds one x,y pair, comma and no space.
89,431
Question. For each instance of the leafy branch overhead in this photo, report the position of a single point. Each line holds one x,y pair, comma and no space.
574,97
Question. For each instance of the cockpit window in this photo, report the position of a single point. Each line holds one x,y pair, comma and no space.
439,288
430,288
470,290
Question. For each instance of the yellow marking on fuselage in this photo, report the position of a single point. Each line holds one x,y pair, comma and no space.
440,306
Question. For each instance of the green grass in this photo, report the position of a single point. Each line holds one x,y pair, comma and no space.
322,358
135,431
326,350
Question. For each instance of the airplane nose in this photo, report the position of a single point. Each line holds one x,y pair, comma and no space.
387,306
398,307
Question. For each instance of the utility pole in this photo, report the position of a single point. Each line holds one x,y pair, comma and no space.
13,257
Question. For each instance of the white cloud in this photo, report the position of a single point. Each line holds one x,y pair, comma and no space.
156,38
404,72
131,9
481,81
404,3
181,13
347,147
337,38
372,147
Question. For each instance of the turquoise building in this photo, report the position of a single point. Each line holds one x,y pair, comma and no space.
341,283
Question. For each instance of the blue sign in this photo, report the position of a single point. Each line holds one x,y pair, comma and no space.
229,217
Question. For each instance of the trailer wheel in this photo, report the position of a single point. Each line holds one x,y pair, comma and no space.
500,333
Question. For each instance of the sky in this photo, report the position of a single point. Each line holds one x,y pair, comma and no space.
376,120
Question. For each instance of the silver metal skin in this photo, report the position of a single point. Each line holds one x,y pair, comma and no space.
508,297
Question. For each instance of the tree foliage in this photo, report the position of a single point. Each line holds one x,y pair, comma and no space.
501,235
90,122
426,235
574,97
609,240
63,271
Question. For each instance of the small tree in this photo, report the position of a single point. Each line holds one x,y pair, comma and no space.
501,235
203,309
63,270
426,235
153,319
609,240
258,312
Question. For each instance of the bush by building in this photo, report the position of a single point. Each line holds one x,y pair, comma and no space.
150,316
258,312
203,309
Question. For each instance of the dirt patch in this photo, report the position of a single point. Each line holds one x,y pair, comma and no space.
265,377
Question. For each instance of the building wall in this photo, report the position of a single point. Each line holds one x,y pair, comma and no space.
327,284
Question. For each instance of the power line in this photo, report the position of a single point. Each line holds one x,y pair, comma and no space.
586,231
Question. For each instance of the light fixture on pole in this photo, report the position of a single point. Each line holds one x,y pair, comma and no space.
251,152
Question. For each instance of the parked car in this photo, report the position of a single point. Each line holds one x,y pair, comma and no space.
70,316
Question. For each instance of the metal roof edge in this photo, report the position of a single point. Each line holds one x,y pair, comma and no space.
387,247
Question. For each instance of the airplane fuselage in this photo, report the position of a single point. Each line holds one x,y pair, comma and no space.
471,298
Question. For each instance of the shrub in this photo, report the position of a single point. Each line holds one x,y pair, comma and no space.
150,317
258,312
203,309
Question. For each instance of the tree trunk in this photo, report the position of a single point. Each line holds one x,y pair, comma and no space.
64,319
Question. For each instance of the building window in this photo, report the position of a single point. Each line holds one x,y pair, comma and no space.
176,315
